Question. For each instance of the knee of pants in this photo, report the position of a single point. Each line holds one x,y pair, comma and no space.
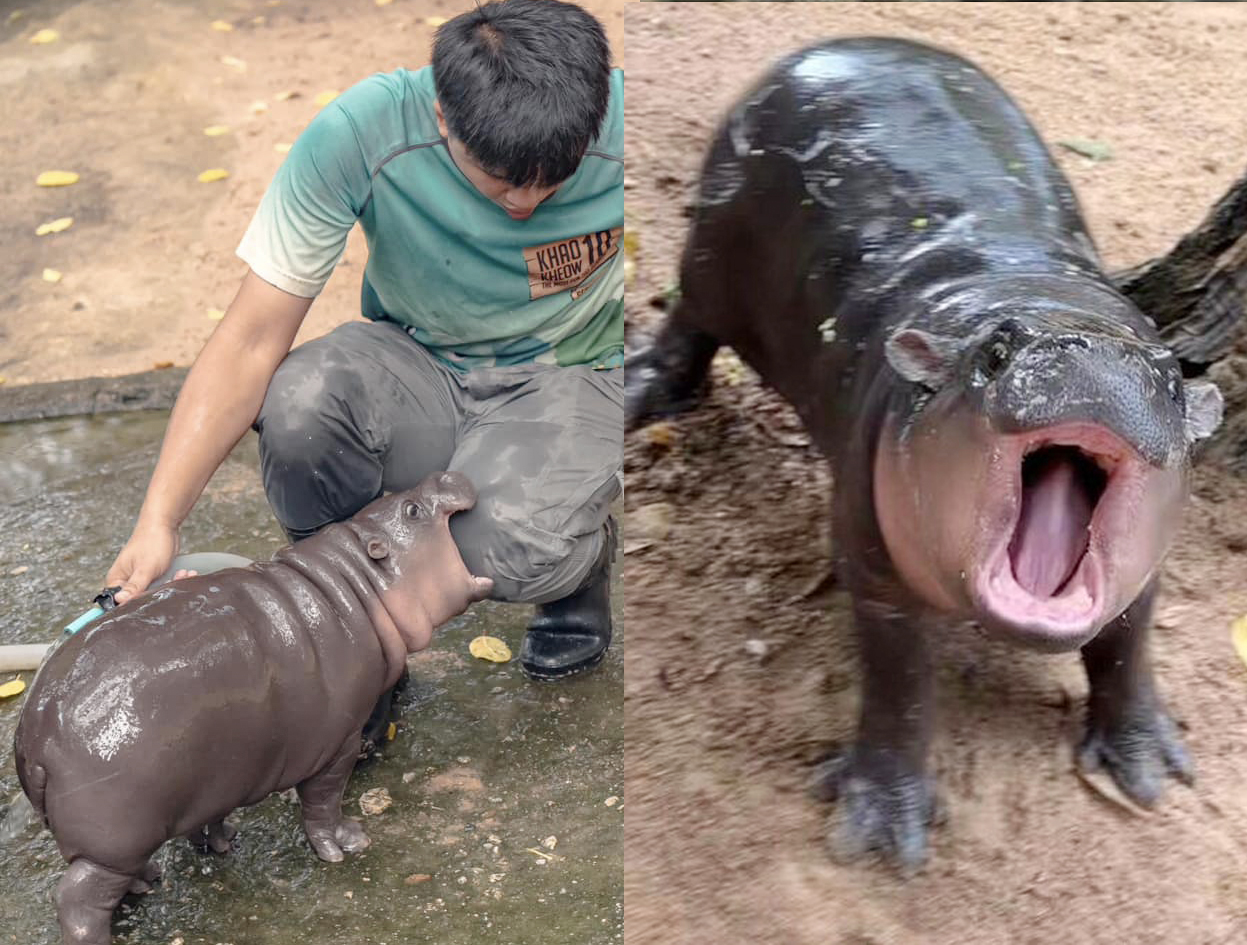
317,465
526,563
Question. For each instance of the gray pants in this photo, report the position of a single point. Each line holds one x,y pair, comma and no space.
366,410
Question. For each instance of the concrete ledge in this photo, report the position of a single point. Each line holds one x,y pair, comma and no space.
150,390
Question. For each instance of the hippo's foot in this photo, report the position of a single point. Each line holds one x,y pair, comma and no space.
666,378
215,837
142,884
331,841
85,899
1138,752
882,808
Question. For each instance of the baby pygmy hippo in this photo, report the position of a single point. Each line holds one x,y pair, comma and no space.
212,692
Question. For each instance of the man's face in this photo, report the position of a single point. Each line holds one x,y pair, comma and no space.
518,202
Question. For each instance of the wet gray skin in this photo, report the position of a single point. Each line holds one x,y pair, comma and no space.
495,763
882,235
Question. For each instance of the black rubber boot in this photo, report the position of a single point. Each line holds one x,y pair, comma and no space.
380,727
570,636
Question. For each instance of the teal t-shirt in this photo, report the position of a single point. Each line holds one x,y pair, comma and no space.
476,287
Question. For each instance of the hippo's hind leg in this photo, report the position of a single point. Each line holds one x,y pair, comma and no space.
1129,732
85,899
885,800
327,830
142,884
215,837
665,378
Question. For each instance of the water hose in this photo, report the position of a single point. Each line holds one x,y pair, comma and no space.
28,656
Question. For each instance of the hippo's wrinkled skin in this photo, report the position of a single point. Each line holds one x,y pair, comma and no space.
212,692
881,233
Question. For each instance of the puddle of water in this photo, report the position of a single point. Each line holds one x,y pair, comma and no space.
486,764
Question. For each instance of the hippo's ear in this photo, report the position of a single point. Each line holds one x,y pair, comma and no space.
920,357
1204,407
377,549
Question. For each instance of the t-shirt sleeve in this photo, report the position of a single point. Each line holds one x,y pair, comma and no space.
299,231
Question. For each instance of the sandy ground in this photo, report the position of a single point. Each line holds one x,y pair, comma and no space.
122,98
723,843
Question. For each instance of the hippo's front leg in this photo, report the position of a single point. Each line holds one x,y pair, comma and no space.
885,798
320,797
1129,732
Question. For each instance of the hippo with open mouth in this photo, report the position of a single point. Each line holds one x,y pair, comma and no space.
212,692
882,235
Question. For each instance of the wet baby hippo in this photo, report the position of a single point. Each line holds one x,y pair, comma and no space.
212,692
882,235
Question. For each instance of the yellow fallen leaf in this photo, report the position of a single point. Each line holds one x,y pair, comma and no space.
11,688
384,3
1238,634
324,98
259,108
215,314
56,179
51,275
221,26
436,20
2,380
282,148
16,15
43,37
259,20
216,173
234,63
215,131
490,648
286,95
54,226
661,434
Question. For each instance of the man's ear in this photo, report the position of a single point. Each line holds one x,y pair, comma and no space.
442,128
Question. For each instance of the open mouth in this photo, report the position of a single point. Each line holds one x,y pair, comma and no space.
1045,577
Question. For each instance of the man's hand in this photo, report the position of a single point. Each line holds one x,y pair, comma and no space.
144,558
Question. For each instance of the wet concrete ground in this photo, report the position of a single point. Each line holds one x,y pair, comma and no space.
486,765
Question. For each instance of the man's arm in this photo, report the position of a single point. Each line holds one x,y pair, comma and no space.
221,398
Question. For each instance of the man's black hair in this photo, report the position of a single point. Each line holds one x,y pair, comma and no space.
524,85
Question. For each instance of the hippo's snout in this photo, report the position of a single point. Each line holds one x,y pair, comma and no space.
447,493
1118,385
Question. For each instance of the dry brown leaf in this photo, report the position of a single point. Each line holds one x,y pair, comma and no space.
161,365
375,801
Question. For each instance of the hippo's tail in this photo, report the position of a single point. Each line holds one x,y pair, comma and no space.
34,780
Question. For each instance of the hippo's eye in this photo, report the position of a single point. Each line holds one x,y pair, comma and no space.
1175,389
411,510
993,357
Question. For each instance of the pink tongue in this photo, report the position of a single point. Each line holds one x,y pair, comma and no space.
1052,533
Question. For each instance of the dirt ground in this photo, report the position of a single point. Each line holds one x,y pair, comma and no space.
733,692
122,98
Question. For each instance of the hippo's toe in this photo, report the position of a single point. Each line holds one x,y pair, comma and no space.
1138,753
